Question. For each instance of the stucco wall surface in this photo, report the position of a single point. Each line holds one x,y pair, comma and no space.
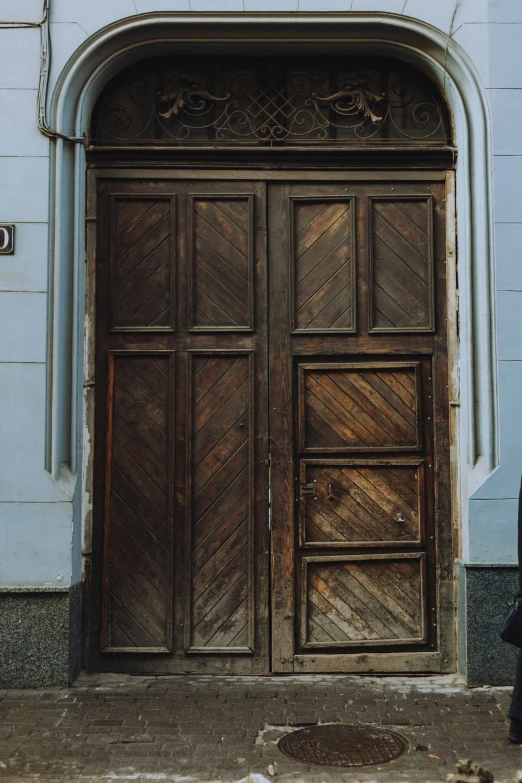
35,510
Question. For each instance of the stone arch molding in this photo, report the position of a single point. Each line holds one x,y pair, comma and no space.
130,39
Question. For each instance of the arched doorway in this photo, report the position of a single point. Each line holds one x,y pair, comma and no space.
272,486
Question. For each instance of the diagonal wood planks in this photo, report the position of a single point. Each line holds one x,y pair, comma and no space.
222,274
181,466
221,503
402,275
361,600
372,406
365,601
142,264
138,542
363,504
363,427
360,408
324,268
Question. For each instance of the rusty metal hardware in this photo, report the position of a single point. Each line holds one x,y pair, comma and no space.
330,495
309,489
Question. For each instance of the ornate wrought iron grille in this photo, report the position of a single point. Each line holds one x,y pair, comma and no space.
223,102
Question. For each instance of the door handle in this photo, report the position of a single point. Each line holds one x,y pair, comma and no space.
330,496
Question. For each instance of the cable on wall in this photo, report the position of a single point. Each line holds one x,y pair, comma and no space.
45,67
43,83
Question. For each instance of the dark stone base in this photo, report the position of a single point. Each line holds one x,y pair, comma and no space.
40,637
40,631
484,592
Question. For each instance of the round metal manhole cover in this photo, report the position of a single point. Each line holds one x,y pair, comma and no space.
342,745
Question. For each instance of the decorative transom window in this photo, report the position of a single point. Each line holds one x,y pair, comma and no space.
270,102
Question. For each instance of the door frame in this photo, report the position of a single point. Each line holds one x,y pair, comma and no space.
444,659
72,95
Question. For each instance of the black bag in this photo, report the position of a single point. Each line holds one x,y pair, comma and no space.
512,629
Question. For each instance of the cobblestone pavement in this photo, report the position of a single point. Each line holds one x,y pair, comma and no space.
117,727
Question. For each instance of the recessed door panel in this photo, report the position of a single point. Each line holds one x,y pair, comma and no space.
142,263
359,407
364,600
362,503
324,264
222,503
401,279
222,274
138,515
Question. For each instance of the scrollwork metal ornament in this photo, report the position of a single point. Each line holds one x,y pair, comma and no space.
223,102
353,99
191,96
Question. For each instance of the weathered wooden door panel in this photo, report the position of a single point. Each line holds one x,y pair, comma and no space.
401,278
324,265
362,503
138,505
181,492
363,600
142,262
222,262
222,495
362,455
358,407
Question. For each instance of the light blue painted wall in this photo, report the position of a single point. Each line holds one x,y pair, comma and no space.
35,511
35,544
493,509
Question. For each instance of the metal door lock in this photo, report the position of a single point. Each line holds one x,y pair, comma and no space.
400,518
309,489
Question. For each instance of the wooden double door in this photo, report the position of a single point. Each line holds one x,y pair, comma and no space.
271,469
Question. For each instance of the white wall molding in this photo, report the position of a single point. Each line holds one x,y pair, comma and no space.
122,43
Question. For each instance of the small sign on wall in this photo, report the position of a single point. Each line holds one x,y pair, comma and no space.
6,239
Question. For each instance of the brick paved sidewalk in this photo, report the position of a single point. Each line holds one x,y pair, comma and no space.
186,729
